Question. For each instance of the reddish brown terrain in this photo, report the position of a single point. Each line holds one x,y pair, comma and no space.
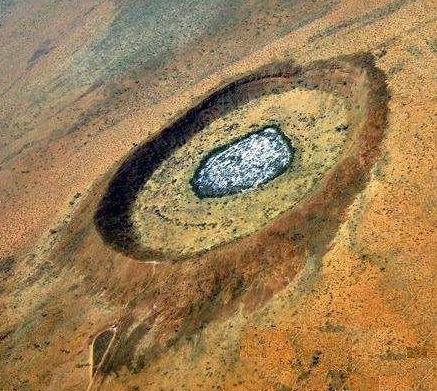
116,276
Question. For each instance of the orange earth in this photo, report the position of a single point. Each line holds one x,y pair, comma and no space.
328,287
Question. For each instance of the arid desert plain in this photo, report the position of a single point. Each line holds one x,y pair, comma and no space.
218,195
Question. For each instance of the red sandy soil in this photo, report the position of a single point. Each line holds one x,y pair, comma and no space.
336,295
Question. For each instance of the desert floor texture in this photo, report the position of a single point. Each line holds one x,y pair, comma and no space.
115,275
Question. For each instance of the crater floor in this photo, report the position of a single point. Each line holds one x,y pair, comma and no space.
243,164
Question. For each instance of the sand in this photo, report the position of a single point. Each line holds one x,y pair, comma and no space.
332,291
